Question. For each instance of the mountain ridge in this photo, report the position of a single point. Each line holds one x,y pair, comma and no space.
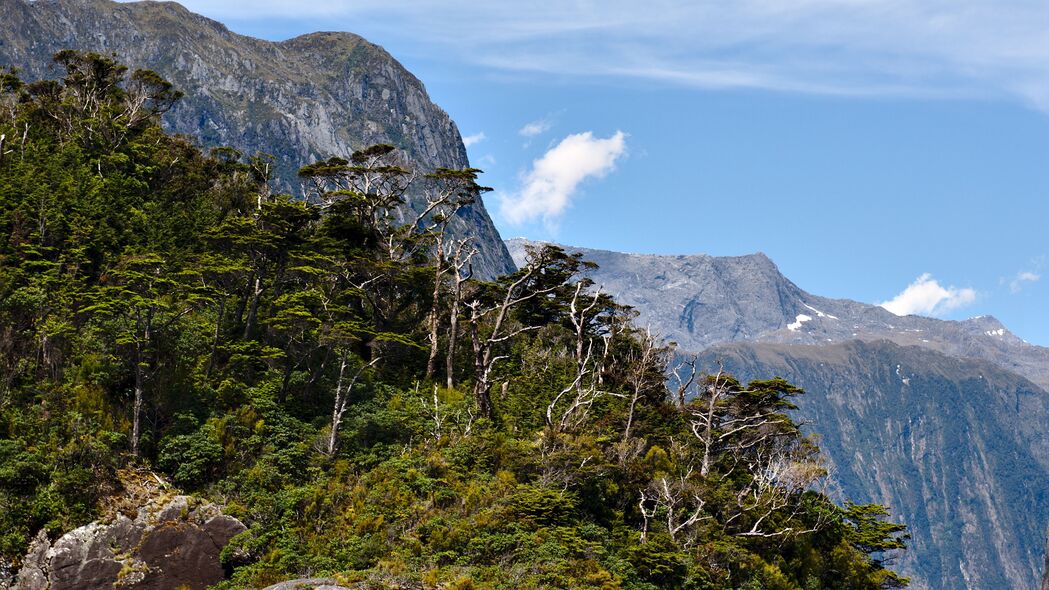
700,300
970,397
302,99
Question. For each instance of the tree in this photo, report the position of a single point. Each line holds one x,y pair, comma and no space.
724,416
490,306
343,390
142,298
452,190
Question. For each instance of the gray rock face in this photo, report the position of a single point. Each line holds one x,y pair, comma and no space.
942,421
1045,568
698,301
301,100
956,448
168,545
308,584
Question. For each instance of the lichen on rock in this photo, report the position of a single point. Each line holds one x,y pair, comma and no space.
172,542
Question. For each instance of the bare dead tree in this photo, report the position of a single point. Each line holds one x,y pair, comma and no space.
676,501
685,375
518,291
438,420
589,367
434,318
580,317
464,419
780,474
455,190
641,376
584,397
342,397
460,260
716,421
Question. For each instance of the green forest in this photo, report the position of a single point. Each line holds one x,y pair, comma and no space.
331,372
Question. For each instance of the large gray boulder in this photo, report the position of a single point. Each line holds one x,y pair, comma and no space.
309,584
171,543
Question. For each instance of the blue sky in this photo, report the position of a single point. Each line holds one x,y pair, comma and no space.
878,150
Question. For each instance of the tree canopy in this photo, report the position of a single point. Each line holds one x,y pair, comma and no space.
332,373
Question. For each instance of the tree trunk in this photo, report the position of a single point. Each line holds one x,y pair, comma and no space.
249,325
146,321
435,324
453,335
136,411
435,316
481,394
342,395
215,340
337,409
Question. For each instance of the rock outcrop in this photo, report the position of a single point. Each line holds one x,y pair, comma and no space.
309,584
170,544
300,100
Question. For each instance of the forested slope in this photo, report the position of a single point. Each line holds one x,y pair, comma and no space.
300,100
338,382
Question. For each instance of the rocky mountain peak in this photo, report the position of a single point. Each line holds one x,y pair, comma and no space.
699,301
898,401
301,100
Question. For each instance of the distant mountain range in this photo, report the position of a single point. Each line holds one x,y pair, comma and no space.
698,301
942,421
300,100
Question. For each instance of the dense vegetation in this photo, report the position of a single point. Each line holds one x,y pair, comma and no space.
330,372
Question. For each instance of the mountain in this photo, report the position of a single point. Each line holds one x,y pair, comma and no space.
955,448
942,421
699,300
301,100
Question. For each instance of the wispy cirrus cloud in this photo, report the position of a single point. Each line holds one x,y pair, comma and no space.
474,139
934,48
925,296
554,179
535,128
1022,278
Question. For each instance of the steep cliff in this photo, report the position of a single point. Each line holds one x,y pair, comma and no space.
1045,568
943,421
954,447
300,100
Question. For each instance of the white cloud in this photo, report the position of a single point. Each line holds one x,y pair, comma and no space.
535,128
476,138
925,296
1017,284
952,48
554,179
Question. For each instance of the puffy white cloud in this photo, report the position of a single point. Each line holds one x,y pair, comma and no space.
925,296
476,138
548,188
536,128
1017,284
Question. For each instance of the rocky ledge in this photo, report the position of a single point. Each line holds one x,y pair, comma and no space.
309,584
171,543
